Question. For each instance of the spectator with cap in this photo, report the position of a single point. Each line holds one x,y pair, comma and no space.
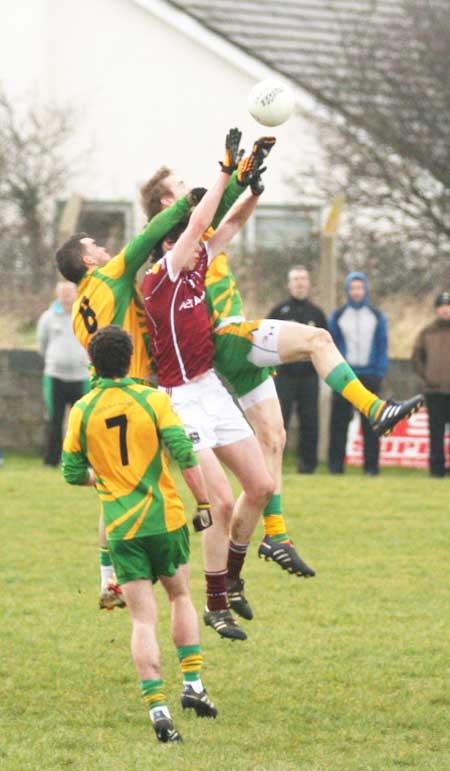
359,330
431,360
66,375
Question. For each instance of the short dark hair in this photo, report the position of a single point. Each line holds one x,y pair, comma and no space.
153,190
172,236
110,351
301,268
69,258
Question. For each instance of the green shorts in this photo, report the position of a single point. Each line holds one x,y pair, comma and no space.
233,344
150,556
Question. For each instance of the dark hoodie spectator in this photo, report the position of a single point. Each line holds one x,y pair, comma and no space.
360,332
431,360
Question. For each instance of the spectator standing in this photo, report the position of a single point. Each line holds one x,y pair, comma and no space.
431,360
298,384
66,376
360,332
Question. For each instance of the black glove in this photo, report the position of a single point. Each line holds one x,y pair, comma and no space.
195,195
202,519
232,153
256,185
249,167
263,146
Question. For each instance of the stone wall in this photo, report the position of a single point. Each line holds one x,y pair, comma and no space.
22,410
21,405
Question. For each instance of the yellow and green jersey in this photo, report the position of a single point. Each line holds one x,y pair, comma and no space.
223,298
232,335
222,295
108,294
118,428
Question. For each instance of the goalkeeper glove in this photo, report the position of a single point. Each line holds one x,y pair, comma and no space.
249,167
256,184
232,153
263,146
202,519
195,195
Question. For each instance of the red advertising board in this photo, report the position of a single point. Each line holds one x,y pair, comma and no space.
408,445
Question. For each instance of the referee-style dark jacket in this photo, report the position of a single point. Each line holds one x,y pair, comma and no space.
304,312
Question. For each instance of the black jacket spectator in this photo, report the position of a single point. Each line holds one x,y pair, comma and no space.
298,384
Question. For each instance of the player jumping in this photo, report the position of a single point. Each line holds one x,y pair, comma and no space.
183,349
242,349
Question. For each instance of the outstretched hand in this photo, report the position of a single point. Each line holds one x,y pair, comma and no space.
232,152
250,169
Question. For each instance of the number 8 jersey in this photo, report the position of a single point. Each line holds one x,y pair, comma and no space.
108,294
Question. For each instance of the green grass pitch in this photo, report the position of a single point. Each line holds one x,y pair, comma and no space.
344,672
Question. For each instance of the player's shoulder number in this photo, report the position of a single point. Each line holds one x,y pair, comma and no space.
88,315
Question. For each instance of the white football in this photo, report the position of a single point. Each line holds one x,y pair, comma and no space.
270,102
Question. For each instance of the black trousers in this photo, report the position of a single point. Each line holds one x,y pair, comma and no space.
57,395
303,393
438,406
341,415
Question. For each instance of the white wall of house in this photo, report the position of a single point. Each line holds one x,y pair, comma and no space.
145,93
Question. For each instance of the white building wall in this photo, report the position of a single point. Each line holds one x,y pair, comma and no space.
23,30
145,95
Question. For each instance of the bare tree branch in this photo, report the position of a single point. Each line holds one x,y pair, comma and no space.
386,134
35,169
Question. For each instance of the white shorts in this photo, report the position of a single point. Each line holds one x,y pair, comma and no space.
264,351
263,391
208,413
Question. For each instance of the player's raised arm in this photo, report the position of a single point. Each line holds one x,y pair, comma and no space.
231,225
248,174
138,250
203,214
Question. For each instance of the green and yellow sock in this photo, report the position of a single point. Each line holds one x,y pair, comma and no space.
343,380
190,657
274,524
153,693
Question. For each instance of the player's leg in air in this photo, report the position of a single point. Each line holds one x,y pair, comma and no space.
255,391
246,460
262,409
281,342
222,434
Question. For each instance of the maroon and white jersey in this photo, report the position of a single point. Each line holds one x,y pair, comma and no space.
177,319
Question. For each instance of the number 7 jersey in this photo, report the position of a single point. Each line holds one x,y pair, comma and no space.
117,428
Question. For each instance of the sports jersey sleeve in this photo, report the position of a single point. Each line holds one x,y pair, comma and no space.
139,249
75,467
172,432
232,192
166,264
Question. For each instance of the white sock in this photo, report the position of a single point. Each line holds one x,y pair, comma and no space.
196,685
163,709
106,572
